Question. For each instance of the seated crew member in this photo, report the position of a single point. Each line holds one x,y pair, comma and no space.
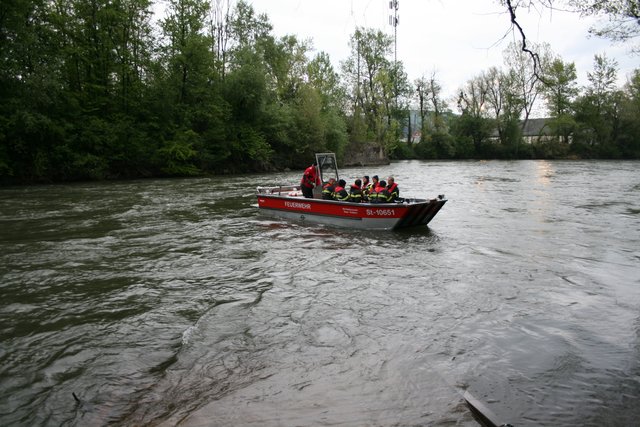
339,192
379,194
365,187
328,189
355,192
374,183
365,183
393,190
309,180
366,191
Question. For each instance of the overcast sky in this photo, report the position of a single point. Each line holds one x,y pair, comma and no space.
456,38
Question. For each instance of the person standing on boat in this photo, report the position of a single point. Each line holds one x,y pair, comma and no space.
355,192
309,180
340,193
328,189
393,190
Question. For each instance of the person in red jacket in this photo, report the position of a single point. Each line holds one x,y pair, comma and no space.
309,180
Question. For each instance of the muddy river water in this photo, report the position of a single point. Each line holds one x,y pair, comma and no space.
175,302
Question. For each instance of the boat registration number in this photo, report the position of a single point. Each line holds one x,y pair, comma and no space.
381,212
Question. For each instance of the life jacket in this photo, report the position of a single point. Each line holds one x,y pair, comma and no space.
379,195
393,191
369,189
340,194
355,194
327,191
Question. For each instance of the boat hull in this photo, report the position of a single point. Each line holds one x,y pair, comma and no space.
368,216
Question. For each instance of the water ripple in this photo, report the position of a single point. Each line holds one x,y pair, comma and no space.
173,302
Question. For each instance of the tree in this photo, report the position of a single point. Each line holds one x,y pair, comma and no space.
423,90
472,97
560,91
597,112
220,33
73,80
286,60
506,104
247,28
233,30
495,84
246,90
435,140
473,124
603,79
368,75
397,92
326,80
527,86
185,86
629,137
28,136
623,18
429,97
437,103
189,64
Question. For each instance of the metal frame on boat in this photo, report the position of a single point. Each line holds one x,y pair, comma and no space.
287,201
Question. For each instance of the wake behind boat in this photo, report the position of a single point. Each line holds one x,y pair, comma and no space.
287,201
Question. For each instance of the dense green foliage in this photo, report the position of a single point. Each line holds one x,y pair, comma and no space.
94,89
99,89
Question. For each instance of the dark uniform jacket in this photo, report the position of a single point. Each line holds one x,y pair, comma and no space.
379,195
394,192
355,194
340,194
327,191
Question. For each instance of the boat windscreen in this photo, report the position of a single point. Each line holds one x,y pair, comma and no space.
328,166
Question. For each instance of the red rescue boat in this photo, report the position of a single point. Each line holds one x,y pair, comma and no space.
287,201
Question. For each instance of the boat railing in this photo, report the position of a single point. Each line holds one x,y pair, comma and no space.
294,191
279,190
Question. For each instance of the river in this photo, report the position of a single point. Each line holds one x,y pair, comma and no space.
175,302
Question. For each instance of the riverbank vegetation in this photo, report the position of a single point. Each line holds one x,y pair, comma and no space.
97,89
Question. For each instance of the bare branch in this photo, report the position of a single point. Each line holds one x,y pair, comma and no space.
534,55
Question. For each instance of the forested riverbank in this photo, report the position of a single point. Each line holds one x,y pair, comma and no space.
97,89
